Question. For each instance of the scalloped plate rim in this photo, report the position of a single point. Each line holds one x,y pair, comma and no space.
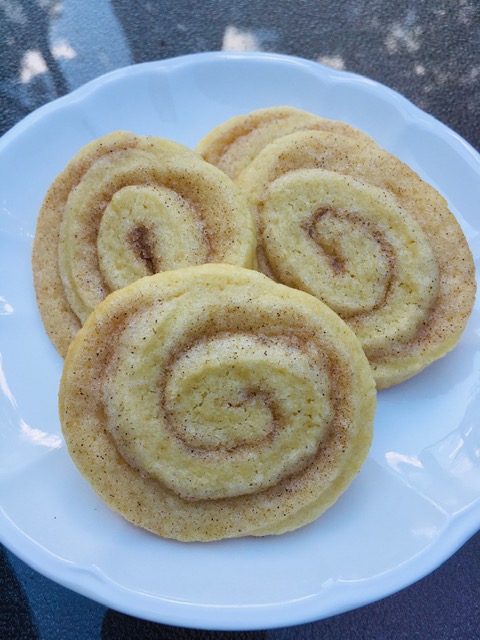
271,615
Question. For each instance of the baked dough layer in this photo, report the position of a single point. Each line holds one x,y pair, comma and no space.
345,220
124,207
233,144
210,402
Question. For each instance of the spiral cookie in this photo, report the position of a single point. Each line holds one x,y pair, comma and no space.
127,206
351,224
232,145
211,402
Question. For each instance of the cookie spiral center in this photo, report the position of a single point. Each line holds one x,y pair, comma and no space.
224,415
138,234
143,210
197,400
359,256
352,246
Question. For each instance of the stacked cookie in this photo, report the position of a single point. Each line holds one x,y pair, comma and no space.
201,398
211,402
128,206
342,219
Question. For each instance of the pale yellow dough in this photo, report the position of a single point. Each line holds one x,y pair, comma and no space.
210,402
127,206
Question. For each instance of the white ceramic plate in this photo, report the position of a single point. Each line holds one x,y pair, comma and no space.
416,500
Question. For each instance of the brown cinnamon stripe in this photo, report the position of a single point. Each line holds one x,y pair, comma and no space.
200,206
451,291
287,333
233,144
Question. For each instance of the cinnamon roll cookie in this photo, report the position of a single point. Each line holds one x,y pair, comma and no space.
233,144
346,221
124,207
211,402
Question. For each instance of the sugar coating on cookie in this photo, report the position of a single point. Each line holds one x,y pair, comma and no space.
210,402
124,207
347,221
233,144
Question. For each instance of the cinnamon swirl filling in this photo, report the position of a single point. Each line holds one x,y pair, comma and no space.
125,207
353,247
211,402
344,220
